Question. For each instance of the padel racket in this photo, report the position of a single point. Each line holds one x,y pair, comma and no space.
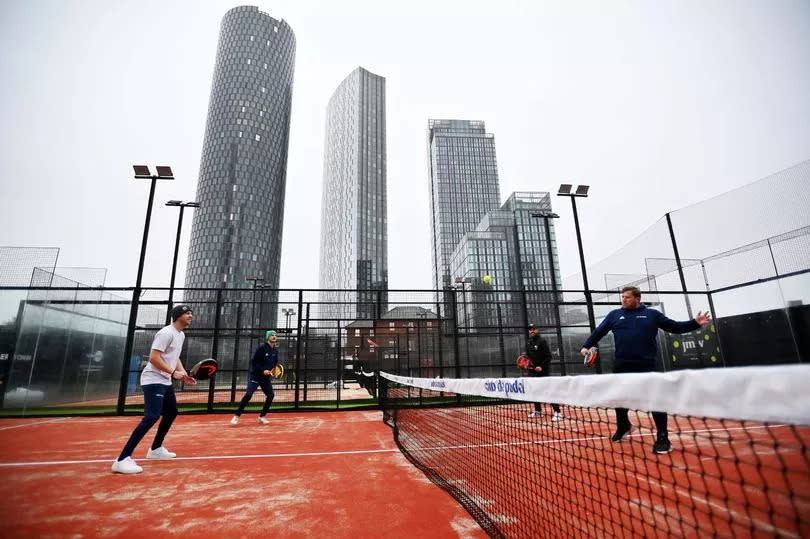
277,371
204,370
591,356
523,362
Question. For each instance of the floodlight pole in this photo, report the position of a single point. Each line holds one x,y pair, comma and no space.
182,206
463,281
557,322
141,172
253,309
588,297
288,313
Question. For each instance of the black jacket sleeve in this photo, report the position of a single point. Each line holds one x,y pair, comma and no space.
545,355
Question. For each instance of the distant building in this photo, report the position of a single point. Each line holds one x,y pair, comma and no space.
463,186
404,341
354,227
510,245
237,230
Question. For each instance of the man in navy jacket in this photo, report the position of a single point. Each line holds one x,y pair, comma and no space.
635,328
264,360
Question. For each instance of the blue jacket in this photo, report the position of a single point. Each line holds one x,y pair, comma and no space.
264,358
634,333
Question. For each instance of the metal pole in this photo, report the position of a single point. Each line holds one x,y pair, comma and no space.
133,310
215,350
500,339
253,310
454,314
298,346
588,298
174,265
556,305
680,266
519,265
466,326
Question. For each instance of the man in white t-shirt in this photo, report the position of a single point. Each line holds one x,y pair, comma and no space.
158,394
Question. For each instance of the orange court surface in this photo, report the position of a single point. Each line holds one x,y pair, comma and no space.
312,474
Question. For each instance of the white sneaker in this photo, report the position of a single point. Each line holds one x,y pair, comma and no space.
264,421
557,416
235,420
161,453
126,466
536,414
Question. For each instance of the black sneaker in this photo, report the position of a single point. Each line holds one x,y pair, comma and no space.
662,446
621,432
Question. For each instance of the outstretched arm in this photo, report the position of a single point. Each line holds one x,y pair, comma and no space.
701,319
598,333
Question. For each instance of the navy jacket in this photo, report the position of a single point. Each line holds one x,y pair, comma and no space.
634,333
264,358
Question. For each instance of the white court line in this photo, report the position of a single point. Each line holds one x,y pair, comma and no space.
34,424
580,439
207,457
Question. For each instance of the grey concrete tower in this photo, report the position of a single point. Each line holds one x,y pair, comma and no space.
354,228
237,231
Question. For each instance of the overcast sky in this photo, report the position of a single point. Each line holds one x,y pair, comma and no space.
656,105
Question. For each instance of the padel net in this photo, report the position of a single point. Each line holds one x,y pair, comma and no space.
738,466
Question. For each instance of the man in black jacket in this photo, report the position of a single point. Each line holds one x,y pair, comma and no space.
539,356
264,360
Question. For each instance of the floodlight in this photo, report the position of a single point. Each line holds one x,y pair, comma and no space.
164,172
141,171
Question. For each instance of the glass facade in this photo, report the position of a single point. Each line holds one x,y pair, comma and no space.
463,186
354,224
236,232
512,246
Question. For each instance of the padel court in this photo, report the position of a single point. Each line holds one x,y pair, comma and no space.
443,464
336,474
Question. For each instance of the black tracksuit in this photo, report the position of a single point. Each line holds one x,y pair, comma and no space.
265,358
539,354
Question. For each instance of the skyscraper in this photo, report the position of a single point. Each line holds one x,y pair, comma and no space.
354,226
237,231
463,186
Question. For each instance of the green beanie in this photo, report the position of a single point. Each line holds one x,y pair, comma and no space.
268,333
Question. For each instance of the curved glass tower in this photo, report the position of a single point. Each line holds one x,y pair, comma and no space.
236,232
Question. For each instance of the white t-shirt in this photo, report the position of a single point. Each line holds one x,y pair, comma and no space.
169,342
